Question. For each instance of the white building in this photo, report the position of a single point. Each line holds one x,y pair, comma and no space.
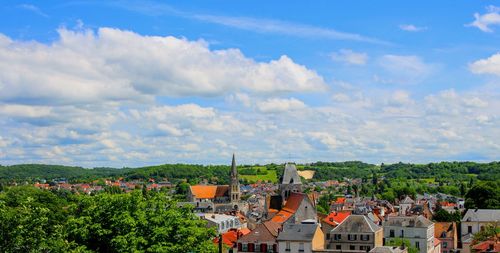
223,222
416,229
476,220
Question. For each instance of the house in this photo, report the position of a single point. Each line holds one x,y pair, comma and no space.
405,205
223,222
357,233
489,246
447,233
304,237
260,239
476,220
230,238
416,229
332,220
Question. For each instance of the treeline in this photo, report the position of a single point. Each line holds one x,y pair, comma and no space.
443,171
34,220
460,171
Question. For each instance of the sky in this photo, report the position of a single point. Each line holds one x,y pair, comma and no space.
134,83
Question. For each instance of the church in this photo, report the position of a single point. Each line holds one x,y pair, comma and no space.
217,198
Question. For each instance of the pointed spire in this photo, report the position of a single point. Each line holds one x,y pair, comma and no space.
234,171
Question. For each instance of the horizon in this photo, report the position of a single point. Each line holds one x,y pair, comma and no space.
93,84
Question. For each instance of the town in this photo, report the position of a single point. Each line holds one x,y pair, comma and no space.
283,217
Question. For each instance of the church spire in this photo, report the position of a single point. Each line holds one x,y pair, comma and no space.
234,171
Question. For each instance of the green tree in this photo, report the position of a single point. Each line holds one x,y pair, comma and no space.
484,195
402,242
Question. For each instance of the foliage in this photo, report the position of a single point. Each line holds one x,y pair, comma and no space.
402,242
36,220
485,195
442,215
489,232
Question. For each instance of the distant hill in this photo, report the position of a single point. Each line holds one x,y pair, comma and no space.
219,173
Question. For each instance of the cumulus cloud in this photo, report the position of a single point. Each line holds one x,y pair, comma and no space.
484,21
83,67
350,57
274,105
411,28
490,65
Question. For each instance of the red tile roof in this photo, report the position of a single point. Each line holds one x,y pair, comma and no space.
204,191
335,218
293,202
486,246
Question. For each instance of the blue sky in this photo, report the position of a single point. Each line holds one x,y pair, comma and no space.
131,83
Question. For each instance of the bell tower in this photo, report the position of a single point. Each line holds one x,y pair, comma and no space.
234,186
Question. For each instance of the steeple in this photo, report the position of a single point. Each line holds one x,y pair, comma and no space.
234,187
234,171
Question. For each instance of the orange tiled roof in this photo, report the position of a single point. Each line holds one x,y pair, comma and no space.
340,200
447,228
204,191
282,216
485,246
245,231
335,218
293,202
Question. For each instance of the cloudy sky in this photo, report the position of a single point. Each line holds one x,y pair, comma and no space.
132,83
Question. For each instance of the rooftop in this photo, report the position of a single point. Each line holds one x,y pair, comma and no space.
298,232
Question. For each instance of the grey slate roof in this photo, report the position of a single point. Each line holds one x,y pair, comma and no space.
356,224
290,175
408,221
482,215
407,200
298,232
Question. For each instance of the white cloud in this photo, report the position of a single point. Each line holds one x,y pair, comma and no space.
83,67
349,57
15,110
411,28
400,98
484,21
274,105
323,140
490,65
403,69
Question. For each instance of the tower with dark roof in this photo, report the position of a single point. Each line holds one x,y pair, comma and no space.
290,181
234,185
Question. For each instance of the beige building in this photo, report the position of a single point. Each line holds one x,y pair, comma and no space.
297,238
357,233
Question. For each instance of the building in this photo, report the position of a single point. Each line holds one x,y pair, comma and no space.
405,205
476,220
298,207
447,233
416,229
357,233
332,220
290,181
217,198
304,237
261,239
490,246
223,222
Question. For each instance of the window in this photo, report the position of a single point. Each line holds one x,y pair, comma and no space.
352,237
338,246
287,247
445,244
245,247
391,233
328,236
337,237
469,229
417,245
443,235
365,237
365,248
301,247
352,247
402,233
